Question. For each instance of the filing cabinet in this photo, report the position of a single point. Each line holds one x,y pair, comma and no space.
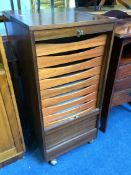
63,56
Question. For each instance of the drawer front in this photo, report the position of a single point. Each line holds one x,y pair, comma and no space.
71,130
124,71
125,60
121,97
122,84
69,72
69,32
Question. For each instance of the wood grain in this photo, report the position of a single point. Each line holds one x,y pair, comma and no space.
6,138
47,49
121,97
122,84
71,117
71,112
47,61
52,72
69,32
124,71
55,100
48,83
12,143
68,104
46,93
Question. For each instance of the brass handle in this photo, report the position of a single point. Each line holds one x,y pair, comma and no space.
79,32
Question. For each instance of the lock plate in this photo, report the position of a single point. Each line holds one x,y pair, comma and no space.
79,32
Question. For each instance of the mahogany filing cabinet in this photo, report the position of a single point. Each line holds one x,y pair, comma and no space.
63,56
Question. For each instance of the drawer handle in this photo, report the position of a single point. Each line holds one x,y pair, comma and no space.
79,32
75,117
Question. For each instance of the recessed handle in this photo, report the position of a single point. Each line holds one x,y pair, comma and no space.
79,32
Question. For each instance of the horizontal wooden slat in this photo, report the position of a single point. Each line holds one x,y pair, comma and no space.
124,71
46,61
70,112
48,83
46,49
51,72
70,87
62,98
77,101
70,118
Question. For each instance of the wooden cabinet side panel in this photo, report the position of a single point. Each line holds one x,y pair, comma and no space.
21,42
9,100
6,138
10,111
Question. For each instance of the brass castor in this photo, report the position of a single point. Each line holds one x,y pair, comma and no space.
53,162
91,141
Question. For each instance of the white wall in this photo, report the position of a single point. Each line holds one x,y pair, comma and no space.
25,4
72,3
4,5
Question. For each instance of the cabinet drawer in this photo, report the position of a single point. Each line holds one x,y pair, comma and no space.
122,84
69,32
121,97
71,129
124,71
126,60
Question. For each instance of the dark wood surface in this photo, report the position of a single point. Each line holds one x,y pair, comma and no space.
118,80
121,97
62,138
122,84
56,18
70,131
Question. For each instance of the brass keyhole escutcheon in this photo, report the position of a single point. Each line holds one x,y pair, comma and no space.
74,117
79,32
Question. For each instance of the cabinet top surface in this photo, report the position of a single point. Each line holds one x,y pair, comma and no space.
56,18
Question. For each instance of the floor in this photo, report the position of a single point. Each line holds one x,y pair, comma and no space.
109,154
